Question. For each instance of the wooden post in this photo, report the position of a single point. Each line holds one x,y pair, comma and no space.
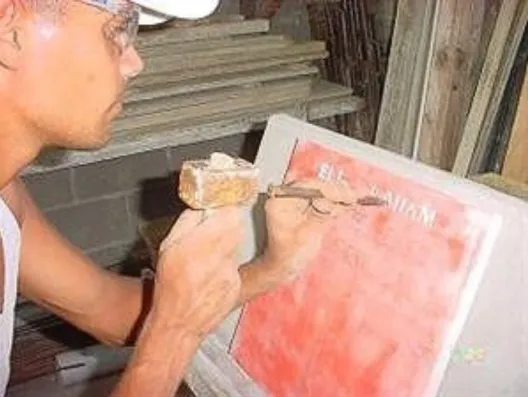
502,49
516,162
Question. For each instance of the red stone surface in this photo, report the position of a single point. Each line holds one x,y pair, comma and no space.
369,317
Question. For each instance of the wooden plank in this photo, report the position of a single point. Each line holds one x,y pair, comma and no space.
299,86
149,112
503,124
452,81
513,42
327,90
170,77
199,32
516,161
213,45
406,74
185,63
187,23
221,81
503,46
257,109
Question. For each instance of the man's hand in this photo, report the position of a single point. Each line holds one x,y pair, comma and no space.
197,275
197,285
295,230
296,226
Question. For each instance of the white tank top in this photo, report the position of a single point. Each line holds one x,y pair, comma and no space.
10,235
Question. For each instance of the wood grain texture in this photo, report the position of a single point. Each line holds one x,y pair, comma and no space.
187,62
252,106
503,125
452,80
299,86
180,109
501,52
212,45
406,75
516,161
141,93
169,76
202,31
355,59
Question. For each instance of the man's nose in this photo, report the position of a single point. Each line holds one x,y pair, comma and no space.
131,63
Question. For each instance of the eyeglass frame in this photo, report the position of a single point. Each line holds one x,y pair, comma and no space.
130,13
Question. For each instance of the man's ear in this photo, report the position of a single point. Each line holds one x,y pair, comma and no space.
9,25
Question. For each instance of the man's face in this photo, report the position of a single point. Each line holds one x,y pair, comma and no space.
69,81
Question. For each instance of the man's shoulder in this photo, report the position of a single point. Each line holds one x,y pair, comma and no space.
13,195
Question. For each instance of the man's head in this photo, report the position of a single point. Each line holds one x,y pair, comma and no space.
64,64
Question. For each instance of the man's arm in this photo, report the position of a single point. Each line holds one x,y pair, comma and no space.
110,307
59,277
189,301
197,285
157,366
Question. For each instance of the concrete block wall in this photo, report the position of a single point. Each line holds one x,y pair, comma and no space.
99,206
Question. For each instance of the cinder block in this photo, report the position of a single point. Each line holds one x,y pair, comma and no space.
111,255
50,189
119,175
94,224
126,258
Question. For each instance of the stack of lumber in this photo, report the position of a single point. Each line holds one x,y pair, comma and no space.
226,69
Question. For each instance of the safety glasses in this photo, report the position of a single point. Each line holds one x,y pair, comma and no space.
123,29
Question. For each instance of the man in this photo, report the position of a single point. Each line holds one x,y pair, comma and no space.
64,65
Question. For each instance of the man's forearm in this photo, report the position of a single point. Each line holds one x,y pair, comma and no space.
159,361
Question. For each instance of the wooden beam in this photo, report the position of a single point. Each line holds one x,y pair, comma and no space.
165,89
256,105
516,161
169,76
505,119
184,108
230,56
207,100
202,31
409,59
502,49
194,47
461,31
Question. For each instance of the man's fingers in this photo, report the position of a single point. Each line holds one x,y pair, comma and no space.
336,190
285,208
216,230
222,230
